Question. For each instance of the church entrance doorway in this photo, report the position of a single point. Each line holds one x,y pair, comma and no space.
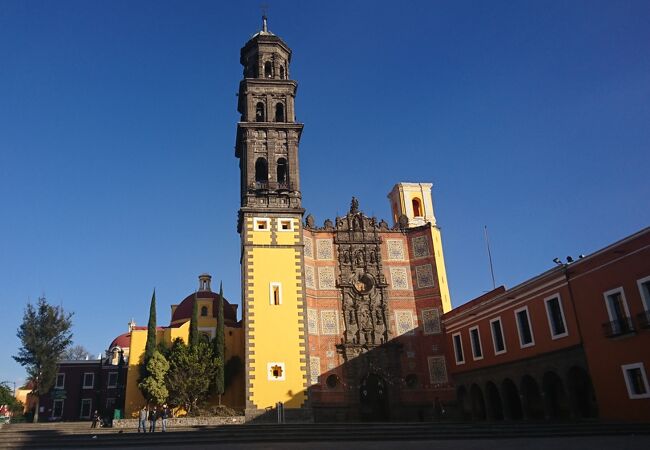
373,395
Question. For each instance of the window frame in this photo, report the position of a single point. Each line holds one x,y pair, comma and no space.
611,292
56,382
503,338
108,380
265,220
54,402
270,375
645,301
83,383
548,300
282,219
90,408
462,351
471,342
644,378
530,327
272,285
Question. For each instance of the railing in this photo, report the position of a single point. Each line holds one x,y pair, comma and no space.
271,185
618,327
643,319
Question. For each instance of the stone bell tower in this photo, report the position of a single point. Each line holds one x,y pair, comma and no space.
270,226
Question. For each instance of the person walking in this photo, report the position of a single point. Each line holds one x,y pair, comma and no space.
95,419
153,416
164,414
142,419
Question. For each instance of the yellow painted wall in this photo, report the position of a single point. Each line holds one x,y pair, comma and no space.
441,269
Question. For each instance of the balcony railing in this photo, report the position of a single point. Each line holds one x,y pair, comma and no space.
271,186
618,327
643,319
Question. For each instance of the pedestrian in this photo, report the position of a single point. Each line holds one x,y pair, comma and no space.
164,414
153,416
142,419
95,419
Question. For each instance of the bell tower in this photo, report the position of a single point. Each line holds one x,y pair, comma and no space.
270,227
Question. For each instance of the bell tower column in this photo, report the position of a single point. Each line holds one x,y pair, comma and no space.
270,227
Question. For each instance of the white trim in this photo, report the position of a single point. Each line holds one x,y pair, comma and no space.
460,340
90,408
471,342
530,327
606,296
273,284
108,381
282,219
92,384
503,338
547,300
270,374
630,394
645,300
62,401
56,381
258,220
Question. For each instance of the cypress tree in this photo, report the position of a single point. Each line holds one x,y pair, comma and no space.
150,347
194,324
220,346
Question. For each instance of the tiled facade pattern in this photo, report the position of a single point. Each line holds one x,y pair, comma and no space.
424,276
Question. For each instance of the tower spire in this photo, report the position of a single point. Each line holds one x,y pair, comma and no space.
264,26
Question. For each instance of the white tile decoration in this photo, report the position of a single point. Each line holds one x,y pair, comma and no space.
312,321
326,278
329,322
395,249
399,277
437,369
309,247
431,321
424,276
324,249
309,277
404,321
420,246
314,369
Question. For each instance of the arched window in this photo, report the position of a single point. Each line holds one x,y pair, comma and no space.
282,171
204,311
417,207
261,171
282,73
279,112
259,112
268,70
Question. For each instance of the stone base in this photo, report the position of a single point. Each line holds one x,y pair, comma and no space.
291,415
184,421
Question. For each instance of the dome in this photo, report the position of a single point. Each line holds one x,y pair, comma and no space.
122,341
184,310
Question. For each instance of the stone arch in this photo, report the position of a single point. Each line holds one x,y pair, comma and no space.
478,403
464,408
511,400
493,402
261,170
268,69
557,402
279,112
282,171
581,393
533,404
260,115
417,207
282,72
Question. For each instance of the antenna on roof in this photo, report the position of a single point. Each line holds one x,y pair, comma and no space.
487,243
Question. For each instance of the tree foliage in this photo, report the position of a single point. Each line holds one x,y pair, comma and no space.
76,353
194,337
44,334
150,346
220,347
233,367
153,386
7,398
191,373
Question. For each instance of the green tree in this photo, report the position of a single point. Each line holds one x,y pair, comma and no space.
7,398
194,337
150,346
44,335
153,386
219,349
191,373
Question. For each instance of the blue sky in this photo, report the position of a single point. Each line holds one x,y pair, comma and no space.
117,128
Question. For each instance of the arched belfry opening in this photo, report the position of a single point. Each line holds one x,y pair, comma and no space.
417,207
279,112
261,170
282,73
268,69
259,112
282,172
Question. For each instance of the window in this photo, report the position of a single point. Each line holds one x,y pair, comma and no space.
636,381
60,381
84,413
285,225
89,380
523,326
644,290
417,207
261,224
259,112
112,380
57,408
332,381
110,404
204,311
282,171
279,112
268,70
475,339
261,171
275,371
555,315
497,336
619,315
275,294
458,349
282,74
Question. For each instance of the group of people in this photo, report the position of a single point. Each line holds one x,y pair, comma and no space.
152,415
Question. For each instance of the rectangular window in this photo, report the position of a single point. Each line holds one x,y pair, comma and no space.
285,225
475,339
636,381
86,404
261,224
112,380
275,294
497,336
644,290
458,349
523,327
60,381
555,315
89,380
57,408
619,315
275,371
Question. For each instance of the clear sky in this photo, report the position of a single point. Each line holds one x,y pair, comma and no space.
118,118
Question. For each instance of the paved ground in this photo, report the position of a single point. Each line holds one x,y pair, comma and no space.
560,443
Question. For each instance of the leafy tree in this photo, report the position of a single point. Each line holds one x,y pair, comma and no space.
44,334
194,337
219,349
7,398
153,386
150,347
191,373
76,353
